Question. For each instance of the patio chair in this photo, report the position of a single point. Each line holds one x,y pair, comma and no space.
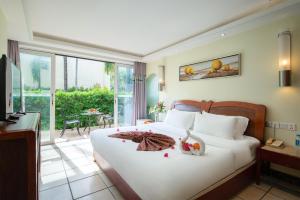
69,121
108,119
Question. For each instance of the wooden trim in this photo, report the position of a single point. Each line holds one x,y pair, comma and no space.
232,186
201,105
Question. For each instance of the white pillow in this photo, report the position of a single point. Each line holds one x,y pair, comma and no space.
241,125
216,125
180,119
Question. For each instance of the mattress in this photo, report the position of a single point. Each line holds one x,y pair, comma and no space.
180,176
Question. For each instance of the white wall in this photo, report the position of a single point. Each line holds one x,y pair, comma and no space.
89,73
258,82
3,34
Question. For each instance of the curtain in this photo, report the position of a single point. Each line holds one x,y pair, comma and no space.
139,92
13,52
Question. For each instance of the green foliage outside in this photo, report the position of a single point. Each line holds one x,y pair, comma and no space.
38,103
75,101
72,102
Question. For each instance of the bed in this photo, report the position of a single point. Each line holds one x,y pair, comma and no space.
226,167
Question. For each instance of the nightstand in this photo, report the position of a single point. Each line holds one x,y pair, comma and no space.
288,156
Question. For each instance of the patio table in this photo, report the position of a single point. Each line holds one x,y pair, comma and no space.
89,116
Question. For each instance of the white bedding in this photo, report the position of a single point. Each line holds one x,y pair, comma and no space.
180,176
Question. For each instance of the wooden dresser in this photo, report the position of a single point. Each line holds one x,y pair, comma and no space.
20,158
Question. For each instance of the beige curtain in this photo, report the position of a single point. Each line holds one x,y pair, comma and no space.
13,52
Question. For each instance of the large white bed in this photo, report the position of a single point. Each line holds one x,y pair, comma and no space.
180,176
227,166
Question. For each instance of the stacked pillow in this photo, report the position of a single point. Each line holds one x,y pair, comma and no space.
180,119
229,127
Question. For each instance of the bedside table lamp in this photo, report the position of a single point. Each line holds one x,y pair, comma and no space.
284,58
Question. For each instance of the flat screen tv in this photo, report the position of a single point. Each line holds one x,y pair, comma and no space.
10,88
15,96
3,88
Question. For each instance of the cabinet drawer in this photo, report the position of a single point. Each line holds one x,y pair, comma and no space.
281,159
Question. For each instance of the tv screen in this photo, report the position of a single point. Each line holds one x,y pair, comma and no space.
16,88
3,88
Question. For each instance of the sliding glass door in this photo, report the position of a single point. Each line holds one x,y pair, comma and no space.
37,75
49,82
123,95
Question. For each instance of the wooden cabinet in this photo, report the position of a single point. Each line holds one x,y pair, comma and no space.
20,158
288,156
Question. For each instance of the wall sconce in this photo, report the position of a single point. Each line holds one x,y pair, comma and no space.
284,58
161,75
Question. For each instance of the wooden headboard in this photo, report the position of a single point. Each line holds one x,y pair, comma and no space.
254,112
191,105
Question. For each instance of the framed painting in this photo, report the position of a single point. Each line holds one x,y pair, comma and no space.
219,67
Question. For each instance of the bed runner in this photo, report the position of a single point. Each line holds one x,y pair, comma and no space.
148,141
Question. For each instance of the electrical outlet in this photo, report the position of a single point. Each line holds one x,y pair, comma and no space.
269,124
284,125
281,125
291,126
276,125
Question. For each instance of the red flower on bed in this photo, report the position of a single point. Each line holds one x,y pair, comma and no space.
166,155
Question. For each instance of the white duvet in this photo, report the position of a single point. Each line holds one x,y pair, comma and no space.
180,176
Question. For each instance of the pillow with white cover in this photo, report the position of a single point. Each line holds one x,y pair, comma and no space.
215,125
180,119
241,124
230,127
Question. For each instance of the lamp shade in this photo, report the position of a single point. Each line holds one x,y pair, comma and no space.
161,76
284,50
284,58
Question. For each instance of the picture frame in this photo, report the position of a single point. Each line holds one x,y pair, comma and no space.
214,68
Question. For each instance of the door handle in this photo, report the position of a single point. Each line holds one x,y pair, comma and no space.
9,99
52,101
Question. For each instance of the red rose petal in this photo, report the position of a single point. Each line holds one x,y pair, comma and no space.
172,147
166,155
160,148
190,145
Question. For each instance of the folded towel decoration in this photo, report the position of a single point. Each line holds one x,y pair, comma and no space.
148,141
197,148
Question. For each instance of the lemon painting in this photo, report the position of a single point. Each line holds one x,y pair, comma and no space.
219,67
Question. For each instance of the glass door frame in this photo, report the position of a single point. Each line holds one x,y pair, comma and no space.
116,92
52,90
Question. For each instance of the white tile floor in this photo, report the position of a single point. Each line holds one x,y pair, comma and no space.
69,172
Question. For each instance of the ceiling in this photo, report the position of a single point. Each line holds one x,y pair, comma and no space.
137,26
134,27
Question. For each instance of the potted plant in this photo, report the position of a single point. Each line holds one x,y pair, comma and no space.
158,110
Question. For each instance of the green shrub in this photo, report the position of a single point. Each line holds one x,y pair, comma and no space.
38,103
74,102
